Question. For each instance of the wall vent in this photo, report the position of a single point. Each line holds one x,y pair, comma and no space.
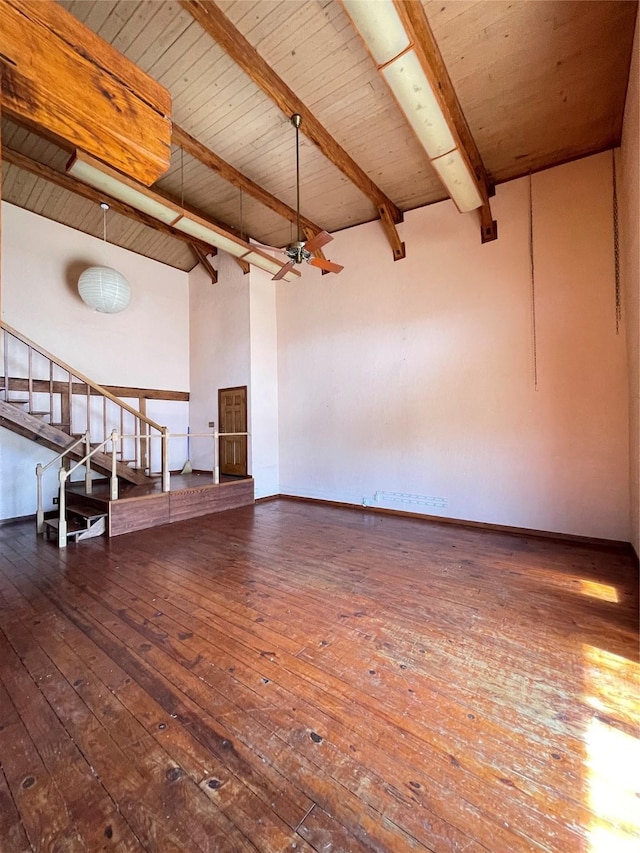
415,500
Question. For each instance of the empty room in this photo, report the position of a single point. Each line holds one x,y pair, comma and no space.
319,426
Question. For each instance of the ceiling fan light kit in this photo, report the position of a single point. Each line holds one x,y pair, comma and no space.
107,180
386,38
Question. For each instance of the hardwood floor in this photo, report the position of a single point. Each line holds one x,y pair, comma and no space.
297,677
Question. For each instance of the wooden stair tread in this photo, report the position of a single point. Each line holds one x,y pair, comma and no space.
90,513
73,525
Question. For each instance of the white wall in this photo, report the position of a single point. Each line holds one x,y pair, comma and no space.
264,385
145,346
403,384
220,351
629,202
415,379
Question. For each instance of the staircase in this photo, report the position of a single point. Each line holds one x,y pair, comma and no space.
32,426
83,522
45,400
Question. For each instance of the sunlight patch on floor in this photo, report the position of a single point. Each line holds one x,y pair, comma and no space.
602,591
612,760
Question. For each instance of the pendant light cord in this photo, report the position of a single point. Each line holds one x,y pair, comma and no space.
104,207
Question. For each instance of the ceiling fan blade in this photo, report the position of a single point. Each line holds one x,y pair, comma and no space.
318,241
329,266
283,271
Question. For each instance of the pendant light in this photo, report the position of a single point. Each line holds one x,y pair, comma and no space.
103,288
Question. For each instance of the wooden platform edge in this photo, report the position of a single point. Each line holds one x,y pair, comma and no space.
128,515
460,522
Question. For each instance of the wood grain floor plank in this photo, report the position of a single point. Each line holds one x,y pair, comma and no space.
256,682
46,818
571,814
326,679
191,714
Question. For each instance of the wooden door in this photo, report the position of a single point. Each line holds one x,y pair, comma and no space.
232,417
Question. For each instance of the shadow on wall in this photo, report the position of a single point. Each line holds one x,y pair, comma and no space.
72,273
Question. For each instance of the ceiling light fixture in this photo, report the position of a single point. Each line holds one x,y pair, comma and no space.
384,33
96,174
103,288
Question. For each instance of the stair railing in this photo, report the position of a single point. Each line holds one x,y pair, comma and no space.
215,435
64,474
74,385
40,469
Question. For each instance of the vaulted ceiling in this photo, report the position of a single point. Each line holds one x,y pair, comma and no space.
539,83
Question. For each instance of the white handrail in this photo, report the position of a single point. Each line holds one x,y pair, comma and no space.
216,462
64,475
115,439
40,469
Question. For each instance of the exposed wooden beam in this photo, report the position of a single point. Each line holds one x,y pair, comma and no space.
244,266
202,259
196,149
220,28
69,183
65,82
426,48
392,235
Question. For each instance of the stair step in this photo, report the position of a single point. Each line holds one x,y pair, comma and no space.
75,530
73,525
89,513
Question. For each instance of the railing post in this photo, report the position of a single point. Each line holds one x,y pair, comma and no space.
113,483
216,455
62,506
40,510
87,465
166,478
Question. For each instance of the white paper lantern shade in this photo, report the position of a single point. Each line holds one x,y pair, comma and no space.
104,289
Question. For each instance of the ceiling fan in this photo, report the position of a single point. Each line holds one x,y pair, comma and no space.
302,250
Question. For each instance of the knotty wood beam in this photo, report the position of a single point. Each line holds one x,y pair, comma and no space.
426,48
69,183
65,82
220,28
201,257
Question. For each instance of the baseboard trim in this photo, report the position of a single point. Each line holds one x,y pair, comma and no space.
481,525
17,520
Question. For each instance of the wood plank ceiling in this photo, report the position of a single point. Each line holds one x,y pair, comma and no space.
539,84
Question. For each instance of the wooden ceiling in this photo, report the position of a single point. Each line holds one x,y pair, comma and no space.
539,83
